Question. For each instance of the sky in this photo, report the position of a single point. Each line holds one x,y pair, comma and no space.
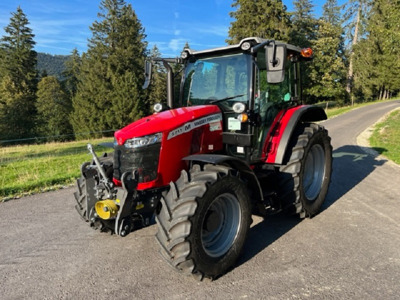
60,26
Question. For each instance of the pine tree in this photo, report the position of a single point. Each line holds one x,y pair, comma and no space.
304,24
266,19
327,72
390,48
356,15
53,107
109,93
71,73
18,79
158,85
331,13
303,35
376,57
385,35
364,77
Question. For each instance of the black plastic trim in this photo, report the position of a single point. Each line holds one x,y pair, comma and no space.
237,139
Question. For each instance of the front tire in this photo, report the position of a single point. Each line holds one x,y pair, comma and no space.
304,180
203,221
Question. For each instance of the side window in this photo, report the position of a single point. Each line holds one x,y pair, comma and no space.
271,98
275,93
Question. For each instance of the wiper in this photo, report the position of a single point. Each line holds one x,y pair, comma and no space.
226,98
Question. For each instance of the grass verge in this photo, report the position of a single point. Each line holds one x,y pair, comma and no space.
385,138
332,112
36,168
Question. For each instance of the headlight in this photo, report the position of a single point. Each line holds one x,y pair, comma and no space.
239,107
143,141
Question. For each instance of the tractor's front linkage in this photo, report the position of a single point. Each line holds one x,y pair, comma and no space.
103,205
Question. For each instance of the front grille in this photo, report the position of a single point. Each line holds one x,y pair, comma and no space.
144,159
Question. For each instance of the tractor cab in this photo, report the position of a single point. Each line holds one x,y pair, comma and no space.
250,82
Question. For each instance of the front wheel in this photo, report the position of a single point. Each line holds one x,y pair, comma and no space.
203,221
305,179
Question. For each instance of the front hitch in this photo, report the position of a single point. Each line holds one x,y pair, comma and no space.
104,179
103,205
123,221
120,215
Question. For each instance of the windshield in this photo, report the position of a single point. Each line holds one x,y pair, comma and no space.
222,79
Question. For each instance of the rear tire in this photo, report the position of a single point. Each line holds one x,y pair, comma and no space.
203,221
304,180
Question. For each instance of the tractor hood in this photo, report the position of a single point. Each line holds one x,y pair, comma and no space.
164,122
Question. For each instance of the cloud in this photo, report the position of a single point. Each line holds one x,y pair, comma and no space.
58,26
62,35
63,25
199,35
176,44
221,31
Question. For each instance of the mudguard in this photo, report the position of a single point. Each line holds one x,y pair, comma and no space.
283,129
235,163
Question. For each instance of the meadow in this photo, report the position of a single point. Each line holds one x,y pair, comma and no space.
31,169
386,137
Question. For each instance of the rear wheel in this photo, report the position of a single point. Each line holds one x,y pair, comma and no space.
305,179
203,221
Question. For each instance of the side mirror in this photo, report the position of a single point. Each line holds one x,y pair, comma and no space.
276,61
147,74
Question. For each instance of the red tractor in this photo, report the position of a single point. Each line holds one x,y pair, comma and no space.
236,141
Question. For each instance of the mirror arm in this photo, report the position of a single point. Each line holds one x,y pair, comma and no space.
170,83
274,61
147,74
266,43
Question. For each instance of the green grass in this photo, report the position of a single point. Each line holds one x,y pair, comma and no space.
386,137
35,168
332,112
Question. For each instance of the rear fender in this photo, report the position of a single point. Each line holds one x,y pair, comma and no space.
235,163
279,141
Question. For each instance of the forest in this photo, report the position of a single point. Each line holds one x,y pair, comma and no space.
356,59
51,65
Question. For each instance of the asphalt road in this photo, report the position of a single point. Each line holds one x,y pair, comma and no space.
351,250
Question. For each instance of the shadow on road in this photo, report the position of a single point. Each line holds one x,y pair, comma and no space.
265,233
351,164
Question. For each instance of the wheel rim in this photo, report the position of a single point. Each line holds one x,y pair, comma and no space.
314,172
221,225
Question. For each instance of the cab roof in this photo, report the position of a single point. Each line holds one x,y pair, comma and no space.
253,41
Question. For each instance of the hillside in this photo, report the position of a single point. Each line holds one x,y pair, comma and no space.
52,64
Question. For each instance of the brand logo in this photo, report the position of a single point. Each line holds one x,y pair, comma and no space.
194,124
